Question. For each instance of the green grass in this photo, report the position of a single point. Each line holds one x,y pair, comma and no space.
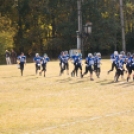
33,104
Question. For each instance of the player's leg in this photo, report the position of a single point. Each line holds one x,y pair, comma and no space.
73,71
21,68
91,73
112,67
76,70
129,73
80,67
98,70
118,74
67,68
36,68
44,70
86,71
62,68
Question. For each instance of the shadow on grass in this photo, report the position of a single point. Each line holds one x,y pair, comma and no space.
101,81
127,84
81,81
31,75
52,76
64,80
10,77
33,78
123,84
107,83
18,76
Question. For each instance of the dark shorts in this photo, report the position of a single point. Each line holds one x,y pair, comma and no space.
129,69
66,66
43,67
22,65
62,66
78,66
90,69
96,67
37,66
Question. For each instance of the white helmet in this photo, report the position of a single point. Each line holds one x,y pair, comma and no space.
45,55
66,52
98,54
77,54
90,54
95,54
37,54
115,53
123,53
128,54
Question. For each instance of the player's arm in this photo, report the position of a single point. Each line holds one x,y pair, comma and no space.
48,59
34,60
18,60
25,61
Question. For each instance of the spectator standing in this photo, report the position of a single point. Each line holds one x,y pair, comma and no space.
13,57
7,55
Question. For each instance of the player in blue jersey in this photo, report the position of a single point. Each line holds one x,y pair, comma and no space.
133,64
124,60
37,61
61,64
119,68
66,58
73,62
44,62
78,64
97,63
64,65
129,65
113,57
21,60
90,66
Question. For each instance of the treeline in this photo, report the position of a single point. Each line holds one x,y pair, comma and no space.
50,25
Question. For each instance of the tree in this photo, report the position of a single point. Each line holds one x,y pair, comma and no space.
7,33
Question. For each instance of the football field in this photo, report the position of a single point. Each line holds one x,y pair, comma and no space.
33,104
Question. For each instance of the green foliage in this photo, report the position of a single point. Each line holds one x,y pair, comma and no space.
44,25
7,33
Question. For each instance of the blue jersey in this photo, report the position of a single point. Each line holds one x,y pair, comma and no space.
97,61
132,62
120,64
65,58
124,59
60,57
77,60
45,60
22,59
114,58
90,61
73,58
37,60
129,62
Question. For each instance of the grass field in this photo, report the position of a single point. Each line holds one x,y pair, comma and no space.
33,104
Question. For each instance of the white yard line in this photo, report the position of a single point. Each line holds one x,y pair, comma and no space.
68,124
